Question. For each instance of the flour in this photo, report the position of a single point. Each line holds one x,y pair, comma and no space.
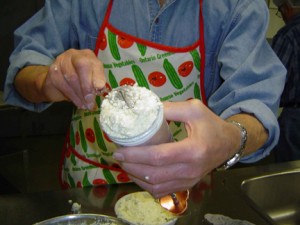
127,120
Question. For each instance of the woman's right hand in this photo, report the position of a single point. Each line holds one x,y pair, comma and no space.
77,76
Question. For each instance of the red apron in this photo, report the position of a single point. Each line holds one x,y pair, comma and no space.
174,74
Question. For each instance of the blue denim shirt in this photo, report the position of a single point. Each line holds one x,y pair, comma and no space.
241,73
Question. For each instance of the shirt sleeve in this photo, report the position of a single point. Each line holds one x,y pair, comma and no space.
251,75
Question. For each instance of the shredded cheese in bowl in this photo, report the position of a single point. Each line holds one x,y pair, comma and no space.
140,208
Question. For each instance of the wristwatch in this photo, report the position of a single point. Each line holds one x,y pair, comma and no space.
239,154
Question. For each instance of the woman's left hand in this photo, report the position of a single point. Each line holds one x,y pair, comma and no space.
170,167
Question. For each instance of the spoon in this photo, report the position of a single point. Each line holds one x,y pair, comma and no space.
176,202
123,94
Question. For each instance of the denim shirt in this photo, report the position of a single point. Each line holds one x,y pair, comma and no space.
242,73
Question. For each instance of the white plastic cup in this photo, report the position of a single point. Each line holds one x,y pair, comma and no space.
157,133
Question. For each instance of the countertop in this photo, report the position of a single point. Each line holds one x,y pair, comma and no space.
218,193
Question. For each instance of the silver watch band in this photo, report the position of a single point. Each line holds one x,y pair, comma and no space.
239,154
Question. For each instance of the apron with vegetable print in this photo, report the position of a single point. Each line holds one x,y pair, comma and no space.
174,74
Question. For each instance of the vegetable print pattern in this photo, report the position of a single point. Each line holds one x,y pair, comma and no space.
172,76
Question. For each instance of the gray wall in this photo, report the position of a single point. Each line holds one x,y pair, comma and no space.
12,14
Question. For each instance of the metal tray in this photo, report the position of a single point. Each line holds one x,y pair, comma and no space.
82,219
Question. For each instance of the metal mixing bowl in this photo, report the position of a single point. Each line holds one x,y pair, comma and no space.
82,219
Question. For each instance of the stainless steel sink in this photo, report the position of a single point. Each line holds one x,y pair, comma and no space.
276,195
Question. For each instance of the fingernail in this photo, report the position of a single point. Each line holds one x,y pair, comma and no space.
89,97
91,106
118,156
99,84
83,107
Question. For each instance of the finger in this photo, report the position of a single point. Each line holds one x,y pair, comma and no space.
84,70
72,79
150,174
85,73
156,175
62,86
157,155
163,189
98,77
72,96
182,111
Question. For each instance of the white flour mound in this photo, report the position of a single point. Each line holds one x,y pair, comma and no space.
140,208
122,121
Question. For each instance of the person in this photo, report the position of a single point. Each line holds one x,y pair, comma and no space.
286,44
208,61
